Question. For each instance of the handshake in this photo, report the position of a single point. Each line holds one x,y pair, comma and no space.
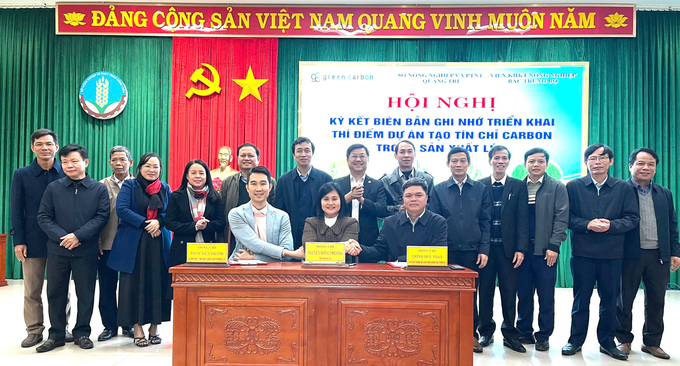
352,247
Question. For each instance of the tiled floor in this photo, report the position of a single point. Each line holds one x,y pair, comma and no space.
121,351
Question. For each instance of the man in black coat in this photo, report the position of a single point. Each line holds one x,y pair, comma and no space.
414,226
602,209
30,242
365,196
509,244
298,188
73,212
467,207
651,251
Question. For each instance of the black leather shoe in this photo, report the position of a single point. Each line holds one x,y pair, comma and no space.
106,335
128,331
614,353
514,345
527,340
570,349
84,342
31,340
69,337
485,341
542,346
49,345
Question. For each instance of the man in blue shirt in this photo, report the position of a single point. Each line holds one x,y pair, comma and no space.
30,242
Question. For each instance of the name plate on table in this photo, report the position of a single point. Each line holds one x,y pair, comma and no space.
325,253
207,252
427,256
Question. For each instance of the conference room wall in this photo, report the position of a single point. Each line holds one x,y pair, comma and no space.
633,88
40,77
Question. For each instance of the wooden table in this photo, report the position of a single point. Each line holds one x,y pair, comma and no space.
283,314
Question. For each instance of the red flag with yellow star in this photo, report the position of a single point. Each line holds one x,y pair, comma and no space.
223,94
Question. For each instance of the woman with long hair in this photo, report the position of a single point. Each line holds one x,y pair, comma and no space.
141,251
195,212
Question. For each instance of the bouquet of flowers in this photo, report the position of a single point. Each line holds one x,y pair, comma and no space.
217,183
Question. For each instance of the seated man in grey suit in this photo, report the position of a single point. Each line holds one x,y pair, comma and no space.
261,231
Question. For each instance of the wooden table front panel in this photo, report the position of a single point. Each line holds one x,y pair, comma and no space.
392,332
289,316
252,331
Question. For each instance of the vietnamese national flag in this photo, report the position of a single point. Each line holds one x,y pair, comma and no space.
200,125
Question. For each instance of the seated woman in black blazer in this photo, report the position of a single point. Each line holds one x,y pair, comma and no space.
195,212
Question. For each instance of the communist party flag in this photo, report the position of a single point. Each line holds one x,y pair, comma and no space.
223,94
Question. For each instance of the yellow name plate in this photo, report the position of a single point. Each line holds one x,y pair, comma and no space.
207,253
427,256
325,253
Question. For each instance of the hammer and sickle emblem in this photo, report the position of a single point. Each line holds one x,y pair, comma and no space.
213,86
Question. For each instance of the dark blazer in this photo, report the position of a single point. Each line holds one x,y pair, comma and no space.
666,226
398,233
180,221
286,196
28,185
467,214
131,226
514,215
392,183
374,207
615,202
81,209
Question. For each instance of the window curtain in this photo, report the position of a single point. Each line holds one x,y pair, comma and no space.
634,87
200,126
40,77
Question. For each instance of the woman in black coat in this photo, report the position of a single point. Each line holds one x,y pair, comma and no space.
195,212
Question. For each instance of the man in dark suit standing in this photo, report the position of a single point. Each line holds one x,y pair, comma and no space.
466,206
73,212
548,221
30,241
298,188
509,243
649,250
602,209
365,196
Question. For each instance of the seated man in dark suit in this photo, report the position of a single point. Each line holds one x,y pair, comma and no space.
365,196
415,226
